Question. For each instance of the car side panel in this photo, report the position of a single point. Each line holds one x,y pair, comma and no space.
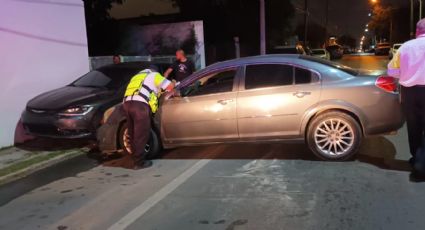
378,111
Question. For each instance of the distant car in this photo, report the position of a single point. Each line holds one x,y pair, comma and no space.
335,52
288,50
320,53
270,98
394,50
76,110
382,49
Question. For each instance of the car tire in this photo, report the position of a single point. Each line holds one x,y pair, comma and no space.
152,150
334,136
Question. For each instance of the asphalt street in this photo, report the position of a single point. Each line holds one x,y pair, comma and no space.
226,187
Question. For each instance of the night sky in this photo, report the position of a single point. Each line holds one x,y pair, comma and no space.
345,16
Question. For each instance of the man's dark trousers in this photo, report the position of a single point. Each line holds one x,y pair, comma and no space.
413,102
139,126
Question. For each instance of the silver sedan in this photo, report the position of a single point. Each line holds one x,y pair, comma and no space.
272,98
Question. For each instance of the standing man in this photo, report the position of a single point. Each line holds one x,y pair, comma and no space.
408,65
181,68
140,101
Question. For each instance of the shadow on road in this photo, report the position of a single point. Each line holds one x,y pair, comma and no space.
381,152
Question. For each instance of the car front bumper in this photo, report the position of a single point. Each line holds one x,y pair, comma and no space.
52,125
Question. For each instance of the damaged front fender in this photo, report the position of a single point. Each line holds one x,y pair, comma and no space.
107,133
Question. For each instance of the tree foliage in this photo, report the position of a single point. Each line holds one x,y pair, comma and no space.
381,19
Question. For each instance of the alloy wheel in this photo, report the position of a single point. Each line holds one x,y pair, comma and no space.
334,137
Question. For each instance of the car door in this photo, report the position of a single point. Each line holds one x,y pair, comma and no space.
274,99
206,111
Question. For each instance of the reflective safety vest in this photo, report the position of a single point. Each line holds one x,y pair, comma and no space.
135,88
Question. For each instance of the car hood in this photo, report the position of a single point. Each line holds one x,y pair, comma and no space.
68,96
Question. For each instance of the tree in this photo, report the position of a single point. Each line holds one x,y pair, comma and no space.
381,20
347,40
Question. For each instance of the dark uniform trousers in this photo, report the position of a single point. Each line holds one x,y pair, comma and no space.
139,126
413,103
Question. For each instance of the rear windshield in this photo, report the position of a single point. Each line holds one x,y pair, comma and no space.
106,79
397,46
334,65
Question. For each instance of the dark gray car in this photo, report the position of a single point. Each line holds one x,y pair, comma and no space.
271,98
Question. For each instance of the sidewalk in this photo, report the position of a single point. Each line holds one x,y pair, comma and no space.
16,163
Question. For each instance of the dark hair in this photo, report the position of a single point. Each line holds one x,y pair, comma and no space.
153,68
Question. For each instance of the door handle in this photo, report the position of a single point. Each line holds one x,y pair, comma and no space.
225,101
301,94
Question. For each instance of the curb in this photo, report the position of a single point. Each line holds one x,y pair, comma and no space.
39,166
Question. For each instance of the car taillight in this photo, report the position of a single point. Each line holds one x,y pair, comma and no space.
388,84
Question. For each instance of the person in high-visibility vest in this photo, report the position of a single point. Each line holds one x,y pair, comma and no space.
140,101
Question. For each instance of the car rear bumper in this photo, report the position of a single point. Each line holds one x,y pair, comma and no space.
387,117
55,126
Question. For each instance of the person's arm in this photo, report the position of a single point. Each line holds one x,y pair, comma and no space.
163,83
168,72
394,66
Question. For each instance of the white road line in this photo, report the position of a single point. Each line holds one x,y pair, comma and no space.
140,210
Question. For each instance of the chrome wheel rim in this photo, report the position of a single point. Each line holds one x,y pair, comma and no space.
127,144
334,137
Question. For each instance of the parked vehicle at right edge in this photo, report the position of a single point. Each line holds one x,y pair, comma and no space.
394,50
270,98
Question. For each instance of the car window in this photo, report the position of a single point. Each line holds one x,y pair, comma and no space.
268,75
218,82
303,76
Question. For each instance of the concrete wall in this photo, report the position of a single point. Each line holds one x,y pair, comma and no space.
43,45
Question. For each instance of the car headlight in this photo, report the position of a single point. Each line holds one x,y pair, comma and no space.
76,111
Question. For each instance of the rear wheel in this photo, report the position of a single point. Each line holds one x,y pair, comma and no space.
152,148
334,136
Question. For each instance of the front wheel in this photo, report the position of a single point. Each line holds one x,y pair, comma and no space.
334,136
152,148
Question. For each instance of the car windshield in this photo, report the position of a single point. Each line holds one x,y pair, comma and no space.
105,80
318,52
335,65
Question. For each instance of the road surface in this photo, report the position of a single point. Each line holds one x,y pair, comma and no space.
226,187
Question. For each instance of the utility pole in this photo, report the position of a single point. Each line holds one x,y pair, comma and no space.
420,10
412,27
262,27
305,22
